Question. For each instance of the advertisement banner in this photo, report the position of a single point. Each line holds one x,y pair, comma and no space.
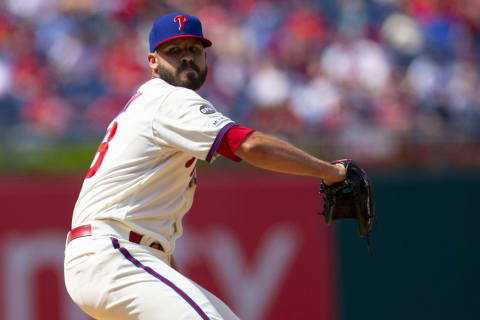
254,239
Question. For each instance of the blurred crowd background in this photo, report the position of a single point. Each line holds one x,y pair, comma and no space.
394,82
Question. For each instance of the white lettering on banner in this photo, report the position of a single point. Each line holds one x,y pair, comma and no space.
251,288
22,257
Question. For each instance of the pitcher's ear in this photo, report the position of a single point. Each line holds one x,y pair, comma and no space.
152,59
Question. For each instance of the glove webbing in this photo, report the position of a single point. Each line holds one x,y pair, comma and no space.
359,210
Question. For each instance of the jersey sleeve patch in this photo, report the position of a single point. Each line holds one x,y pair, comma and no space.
207,109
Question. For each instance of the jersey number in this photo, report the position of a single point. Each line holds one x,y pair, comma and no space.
102,150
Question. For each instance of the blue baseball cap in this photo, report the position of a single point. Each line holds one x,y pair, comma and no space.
176,25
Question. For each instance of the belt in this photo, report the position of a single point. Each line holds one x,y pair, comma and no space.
86,230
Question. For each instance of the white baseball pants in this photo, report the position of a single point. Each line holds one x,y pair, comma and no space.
111,278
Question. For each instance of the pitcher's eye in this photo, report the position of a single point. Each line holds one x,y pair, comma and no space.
173,50
196,49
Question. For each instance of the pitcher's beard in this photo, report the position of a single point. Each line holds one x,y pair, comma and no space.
193,80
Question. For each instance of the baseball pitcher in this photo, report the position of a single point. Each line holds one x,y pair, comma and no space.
142,180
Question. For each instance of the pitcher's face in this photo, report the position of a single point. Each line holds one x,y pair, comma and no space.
181,62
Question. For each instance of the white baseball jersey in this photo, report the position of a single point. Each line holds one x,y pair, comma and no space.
143,173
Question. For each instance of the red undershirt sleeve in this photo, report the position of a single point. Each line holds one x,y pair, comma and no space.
232,140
